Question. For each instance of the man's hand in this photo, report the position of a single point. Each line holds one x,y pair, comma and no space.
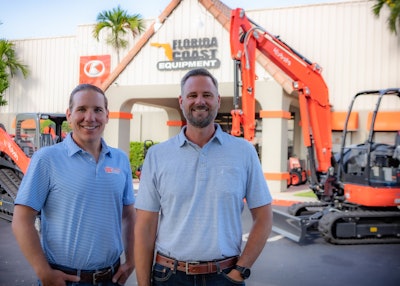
235,275
123,273
57,278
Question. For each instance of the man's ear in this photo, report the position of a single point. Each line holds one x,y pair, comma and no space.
68,114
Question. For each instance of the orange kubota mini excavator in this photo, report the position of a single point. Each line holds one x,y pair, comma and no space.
358,203
16,151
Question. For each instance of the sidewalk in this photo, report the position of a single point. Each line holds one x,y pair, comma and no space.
291,196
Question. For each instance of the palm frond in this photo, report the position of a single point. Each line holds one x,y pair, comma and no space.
119,23
394,17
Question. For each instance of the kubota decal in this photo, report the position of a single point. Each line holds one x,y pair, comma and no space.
94,69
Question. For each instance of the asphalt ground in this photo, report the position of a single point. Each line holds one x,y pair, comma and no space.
16,271
281,263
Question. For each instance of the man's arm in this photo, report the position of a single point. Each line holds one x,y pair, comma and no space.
145,237
23,226
259,233
128,227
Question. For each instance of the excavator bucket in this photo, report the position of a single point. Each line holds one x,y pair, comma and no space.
292,227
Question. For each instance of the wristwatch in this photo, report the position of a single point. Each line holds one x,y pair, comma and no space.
244,272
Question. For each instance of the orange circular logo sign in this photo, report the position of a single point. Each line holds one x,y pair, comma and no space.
94,68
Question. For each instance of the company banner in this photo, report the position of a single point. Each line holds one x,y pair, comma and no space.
94,69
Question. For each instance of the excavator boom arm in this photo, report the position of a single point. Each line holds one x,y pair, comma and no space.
245,38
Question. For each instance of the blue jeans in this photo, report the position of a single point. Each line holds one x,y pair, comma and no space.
164,276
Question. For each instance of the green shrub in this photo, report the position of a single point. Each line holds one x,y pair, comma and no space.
45,123
136,155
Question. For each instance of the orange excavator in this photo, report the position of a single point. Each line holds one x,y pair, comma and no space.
17,149
297,173
358,189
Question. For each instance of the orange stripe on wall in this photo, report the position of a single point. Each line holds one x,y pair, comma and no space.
338,119
277,176
120,115
175,123
275,114
385,121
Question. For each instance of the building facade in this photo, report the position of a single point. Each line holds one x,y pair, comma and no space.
354,48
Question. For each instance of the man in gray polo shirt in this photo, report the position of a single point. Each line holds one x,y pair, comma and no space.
192,192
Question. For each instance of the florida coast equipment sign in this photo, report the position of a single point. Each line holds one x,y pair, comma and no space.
189,53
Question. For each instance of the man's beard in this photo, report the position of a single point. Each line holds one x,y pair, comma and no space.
200,122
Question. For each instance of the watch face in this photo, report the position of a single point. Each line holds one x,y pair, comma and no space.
246,273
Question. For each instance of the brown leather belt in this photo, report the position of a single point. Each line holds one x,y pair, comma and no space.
94,277
194,267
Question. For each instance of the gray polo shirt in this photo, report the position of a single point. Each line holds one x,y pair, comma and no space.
200,194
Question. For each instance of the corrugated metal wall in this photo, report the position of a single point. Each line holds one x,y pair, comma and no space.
355,49
54,70
52,63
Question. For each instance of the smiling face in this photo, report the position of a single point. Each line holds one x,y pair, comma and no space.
87,116
199,101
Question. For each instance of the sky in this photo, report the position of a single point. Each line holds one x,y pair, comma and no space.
24,19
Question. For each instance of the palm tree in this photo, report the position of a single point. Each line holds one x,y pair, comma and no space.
394,17
120,23
9,67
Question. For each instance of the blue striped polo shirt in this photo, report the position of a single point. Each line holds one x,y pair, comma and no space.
81,202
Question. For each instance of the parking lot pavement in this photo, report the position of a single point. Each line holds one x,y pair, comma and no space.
282,262
14,269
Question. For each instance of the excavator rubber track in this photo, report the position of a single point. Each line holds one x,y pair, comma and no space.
9,184
360,227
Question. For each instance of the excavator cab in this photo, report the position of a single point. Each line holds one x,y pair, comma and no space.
36,130
370,171
31,133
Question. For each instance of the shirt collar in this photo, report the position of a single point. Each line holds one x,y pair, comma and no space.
73,148
218,136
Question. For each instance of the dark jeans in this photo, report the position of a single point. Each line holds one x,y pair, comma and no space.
86,284
164,276
83,284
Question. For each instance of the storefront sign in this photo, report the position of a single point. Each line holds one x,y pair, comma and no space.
94,69
189,53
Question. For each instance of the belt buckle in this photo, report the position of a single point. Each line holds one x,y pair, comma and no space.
187,264
99,275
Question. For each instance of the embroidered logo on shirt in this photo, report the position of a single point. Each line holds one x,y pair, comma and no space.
112,170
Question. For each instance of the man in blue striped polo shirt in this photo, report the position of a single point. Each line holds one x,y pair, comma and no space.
83,190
